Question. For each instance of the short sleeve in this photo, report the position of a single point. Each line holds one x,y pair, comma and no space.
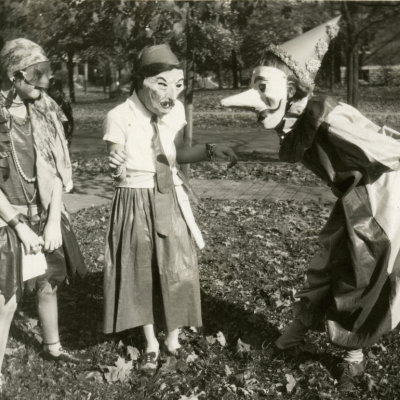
113,128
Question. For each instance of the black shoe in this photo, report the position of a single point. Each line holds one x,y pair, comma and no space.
273,351
68,356
349,370
149,361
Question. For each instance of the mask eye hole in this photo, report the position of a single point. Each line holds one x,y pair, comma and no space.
262,87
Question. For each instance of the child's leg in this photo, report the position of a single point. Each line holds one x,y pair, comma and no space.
171,341
150,357
294,335
152,344
7,312
48,316
353,365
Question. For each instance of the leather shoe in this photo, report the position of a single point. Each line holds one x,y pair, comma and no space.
348,371
149,362
68,356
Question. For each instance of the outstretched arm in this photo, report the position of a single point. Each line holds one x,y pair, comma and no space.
187,155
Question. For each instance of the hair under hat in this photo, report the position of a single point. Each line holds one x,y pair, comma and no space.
159,54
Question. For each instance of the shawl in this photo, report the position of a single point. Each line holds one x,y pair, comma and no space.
52,157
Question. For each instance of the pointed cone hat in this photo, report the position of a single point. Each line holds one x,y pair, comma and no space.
304,53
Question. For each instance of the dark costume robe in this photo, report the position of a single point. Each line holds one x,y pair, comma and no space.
354,281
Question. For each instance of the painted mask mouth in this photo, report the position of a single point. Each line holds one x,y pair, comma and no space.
167,103
265,113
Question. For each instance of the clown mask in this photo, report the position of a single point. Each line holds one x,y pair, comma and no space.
160,92
267,96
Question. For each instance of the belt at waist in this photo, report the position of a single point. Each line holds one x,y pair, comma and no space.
144,180
34,209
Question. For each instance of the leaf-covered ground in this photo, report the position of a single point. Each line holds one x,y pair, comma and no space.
256,256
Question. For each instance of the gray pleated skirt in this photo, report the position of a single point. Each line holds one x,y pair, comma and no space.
148,278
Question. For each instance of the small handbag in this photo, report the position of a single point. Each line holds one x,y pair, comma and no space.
33,265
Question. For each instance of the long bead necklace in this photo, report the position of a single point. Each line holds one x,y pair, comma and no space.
16,161
22,175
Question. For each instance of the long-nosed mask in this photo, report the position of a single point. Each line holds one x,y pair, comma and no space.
160,92
267,96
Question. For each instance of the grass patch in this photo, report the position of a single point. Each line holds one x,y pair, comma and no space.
253,166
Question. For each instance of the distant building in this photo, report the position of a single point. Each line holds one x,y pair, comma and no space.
384,75
380,65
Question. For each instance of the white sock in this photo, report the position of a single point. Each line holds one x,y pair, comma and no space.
153,347
355,356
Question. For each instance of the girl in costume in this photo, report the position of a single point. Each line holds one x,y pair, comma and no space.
151,273
34,165
353,284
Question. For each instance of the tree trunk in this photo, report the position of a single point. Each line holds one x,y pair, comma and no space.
86,77
188,137
356,71
350,81
234,70
113,92
70,67
332,66
219,76
351,14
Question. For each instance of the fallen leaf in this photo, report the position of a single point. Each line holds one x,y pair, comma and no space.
181,366
191,358
221,339
211,339
170,364
242,348
227,371
133,353
10,351
291,383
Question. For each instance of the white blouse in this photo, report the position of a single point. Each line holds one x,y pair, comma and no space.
129,125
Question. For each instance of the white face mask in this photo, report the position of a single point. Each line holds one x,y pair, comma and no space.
160,92
271,84
267,96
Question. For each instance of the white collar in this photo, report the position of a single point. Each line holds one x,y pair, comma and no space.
143,114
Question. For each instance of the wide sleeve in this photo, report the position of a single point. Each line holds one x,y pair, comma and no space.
113,128
362,144
297,141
